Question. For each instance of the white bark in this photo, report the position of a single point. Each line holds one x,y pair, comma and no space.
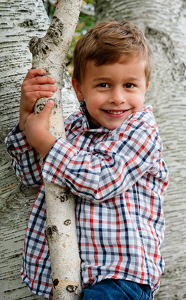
49,53
20,21
164,23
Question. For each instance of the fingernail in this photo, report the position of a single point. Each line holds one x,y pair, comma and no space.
51,102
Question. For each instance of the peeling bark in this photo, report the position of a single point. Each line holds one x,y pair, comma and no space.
49,53
164,24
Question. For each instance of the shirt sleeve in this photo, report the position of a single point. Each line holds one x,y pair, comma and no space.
112,168
24,159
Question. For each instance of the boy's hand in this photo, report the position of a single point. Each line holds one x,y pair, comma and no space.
35,86
37,130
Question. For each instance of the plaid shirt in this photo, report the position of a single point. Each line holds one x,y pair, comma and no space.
119,177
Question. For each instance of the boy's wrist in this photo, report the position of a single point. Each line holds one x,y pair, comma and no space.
45,144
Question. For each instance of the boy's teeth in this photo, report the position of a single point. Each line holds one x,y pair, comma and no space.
115,112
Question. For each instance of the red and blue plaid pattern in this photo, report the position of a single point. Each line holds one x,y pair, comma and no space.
119,178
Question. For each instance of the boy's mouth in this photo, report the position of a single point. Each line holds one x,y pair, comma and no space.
117,112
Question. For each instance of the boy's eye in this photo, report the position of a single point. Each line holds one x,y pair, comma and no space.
103,85
129,85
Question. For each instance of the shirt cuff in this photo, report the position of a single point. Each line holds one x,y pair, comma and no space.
16,141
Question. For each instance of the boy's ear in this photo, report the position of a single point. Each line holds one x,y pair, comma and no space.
77,89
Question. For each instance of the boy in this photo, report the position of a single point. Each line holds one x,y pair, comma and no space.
111,160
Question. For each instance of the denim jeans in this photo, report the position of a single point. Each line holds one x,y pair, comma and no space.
116,289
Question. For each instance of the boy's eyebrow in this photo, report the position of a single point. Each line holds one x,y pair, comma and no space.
133,79
108,78
101,78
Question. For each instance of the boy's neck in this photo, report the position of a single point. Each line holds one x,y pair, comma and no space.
92,125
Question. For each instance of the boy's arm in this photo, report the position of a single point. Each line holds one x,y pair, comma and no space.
113,167
25,146
25,159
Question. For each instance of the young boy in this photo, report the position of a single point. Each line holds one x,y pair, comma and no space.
112,160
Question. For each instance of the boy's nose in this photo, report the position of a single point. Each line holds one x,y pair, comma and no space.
117,97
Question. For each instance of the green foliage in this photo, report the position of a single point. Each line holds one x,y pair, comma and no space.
85,23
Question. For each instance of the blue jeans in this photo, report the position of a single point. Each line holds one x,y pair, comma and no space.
116,289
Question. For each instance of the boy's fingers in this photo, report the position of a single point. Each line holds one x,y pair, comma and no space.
44,87
39,80
35,72
40,94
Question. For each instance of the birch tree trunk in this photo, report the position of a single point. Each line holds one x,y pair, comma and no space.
49,53
164,24
20,20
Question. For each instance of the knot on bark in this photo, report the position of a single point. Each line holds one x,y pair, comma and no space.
51,231
41,46
67,222
38,46
40,104
64,196
55,31
71,288
55,282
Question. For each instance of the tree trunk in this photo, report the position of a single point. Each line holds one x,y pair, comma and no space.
49,53
20,20
164,24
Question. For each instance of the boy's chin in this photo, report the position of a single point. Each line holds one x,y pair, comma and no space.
113,126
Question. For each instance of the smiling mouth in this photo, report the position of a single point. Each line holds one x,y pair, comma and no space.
117,112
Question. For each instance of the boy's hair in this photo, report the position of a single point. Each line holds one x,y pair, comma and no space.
106,43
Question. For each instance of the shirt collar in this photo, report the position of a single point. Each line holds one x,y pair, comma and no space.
86,123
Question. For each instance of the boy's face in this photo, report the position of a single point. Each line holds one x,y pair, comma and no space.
113,91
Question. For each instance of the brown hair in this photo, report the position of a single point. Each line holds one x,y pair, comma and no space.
107,42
